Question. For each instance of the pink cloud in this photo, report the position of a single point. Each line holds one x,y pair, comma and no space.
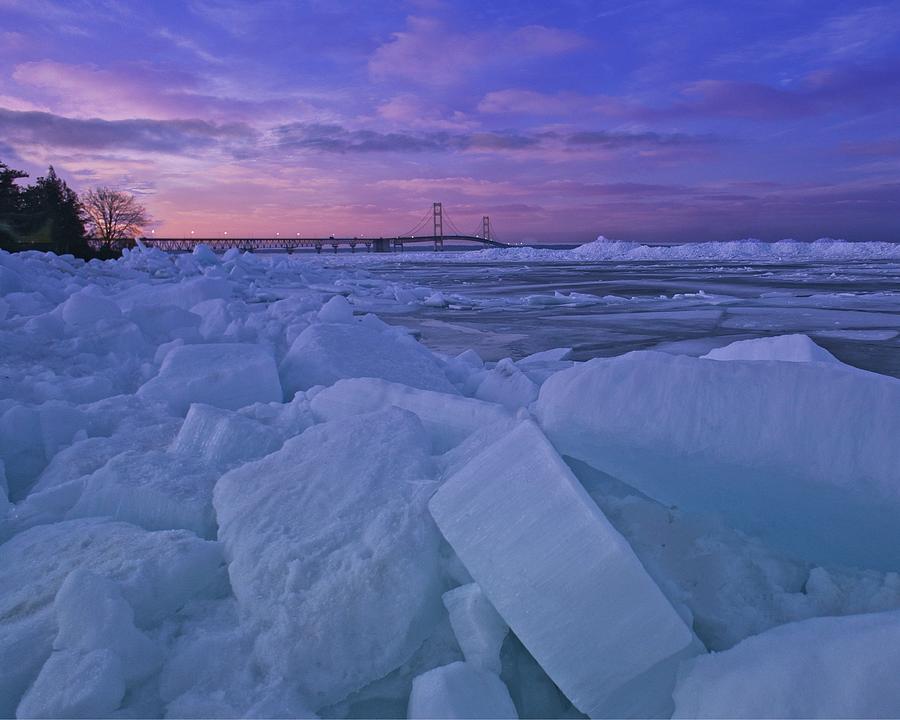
429,53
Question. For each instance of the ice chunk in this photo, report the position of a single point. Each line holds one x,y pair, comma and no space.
86,308
157,573
436,299
507,385
460,690
155,490
222,437
75,685
823,667
449,419
803,454
205,255
336,310
323,354
552,355
225,375
97,653
161,324
787,348
333,557
478,628
558,573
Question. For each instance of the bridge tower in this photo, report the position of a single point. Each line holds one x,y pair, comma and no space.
486,227
438,212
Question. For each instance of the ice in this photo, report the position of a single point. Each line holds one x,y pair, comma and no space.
97,653
223,438
436,299
823,667
552,355
155,490
225,375
323,354
30,437
157,572
449,419
333,558
507,385
86,307
535,542
336,310
803,454
460,690
478,628
787,348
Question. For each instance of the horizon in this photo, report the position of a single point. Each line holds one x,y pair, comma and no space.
648,122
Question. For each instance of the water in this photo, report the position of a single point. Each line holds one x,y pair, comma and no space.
504,309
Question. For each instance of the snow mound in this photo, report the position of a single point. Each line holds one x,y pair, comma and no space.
225,375
823,667
332,554
785,348
803,454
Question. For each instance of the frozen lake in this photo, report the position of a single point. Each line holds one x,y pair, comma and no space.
512,309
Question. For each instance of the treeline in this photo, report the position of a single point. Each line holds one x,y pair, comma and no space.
48,215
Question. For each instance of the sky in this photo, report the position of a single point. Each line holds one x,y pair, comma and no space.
648,120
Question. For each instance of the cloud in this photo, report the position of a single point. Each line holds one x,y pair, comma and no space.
135,90
427,52
332,138
162,136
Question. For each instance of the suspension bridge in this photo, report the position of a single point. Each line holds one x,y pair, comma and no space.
429,229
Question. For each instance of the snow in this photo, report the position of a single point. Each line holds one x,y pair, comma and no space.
332,555
786,348
225,375
460,690
535,541
822,667
803,454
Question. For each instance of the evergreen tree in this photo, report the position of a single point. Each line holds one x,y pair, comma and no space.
10,206
54,215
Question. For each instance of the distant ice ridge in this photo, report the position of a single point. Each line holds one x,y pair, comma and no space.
749,249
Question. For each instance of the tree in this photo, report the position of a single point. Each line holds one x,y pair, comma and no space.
10,205
114,215
53,216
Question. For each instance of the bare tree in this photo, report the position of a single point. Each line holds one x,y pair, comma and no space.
114,215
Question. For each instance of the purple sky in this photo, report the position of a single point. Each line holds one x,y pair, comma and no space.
644,120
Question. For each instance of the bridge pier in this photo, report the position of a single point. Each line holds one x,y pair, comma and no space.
352,245
382,245
318,247
368,246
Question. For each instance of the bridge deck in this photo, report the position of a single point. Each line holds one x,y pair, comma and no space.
383,244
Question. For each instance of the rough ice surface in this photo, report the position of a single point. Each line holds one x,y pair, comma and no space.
823,667
323,354
803,454
449,418
225,375
221,437
460,690
332,553
181,536
787,348
534,540
478,627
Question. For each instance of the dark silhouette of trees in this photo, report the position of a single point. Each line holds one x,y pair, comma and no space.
44,216
114,216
